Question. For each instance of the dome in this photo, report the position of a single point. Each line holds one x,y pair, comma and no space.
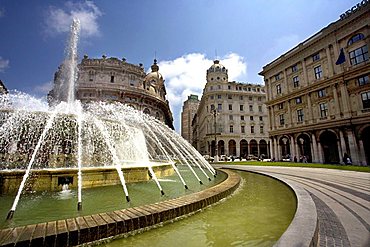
154,77
217,67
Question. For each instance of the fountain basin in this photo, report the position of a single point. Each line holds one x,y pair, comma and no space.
85,229
54,179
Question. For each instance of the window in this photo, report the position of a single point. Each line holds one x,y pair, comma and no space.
231,129
252,129
278,89
250,98
212,97
212,86
219,96
241,97
359,55
212,107
259,98
294,68
316,57
281,119
363,80
295,81
300,115
261,129
355,38
261,118
323,109
298,100
260,108
321,93
241,107
250,107
230,107
229,96
242,118
112,78
229,87
277,77
365,99
219,86
219,107
318,72
281,106
231,117
91,75
251,118
242,129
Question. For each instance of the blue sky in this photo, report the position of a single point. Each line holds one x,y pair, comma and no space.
185,35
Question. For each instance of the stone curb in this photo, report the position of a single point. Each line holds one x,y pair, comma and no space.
87,229
303,230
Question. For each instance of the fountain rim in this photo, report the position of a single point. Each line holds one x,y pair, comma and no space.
115,224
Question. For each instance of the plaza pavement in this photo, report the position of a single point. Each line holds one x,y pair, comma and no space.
333,205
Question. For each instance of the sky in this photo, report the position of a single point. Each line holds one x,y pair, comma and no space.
185,36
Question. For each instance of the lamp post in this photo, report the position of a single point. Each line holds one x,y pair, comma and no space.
216,151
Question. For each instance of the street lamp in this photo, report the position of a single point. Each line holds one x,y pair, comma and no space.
216,150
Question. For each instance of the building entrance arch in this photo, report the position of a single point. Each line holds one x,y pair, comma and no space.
284,144
232,147
243,148
263,149
329,146
304,147
365,136
254,147
221,147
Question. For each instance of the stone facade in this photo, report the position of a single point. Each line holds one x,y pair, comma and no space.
3,89
318,95
231,114
189,109
112,79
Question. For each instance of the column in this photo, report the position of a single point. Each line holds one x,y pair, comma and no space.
276,149
292,148
290,115
315,157
362,153
339,151
330,61
271,147
305,75
309,108
286,84
273,120
336,102
353,147
342,145
278,152
321,159
345,99
226,147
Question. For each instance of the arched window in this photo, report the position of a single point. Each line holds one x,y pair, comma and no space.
146,111
355,38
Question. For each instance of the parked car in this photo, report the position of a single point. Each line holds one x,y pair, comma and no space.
252,157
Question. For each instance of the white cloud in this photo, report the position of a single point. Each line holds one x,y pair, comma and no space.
187,75
4,64
59,20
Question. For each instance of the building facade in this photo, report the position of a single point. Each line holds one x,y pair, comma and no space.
112,79
189,109
318,95
3,89
232,118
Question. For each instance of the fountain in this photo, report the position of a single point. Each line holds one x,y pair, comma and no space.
71,138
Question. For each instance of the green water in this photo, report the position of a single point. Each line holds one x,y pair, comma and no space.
257,215
49,206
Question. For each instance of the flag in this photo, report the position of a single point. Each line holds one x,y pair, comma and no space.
341,58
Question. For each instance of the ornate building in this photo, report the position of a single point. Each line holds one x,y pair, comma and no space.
111,79
318,94
3,89
189,109
231,114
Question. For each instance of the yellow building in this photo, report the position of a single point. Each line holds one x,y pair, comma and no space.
231,114
318,94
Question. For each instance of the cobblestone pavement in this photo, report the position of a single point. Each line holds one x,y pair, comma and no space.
342,200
